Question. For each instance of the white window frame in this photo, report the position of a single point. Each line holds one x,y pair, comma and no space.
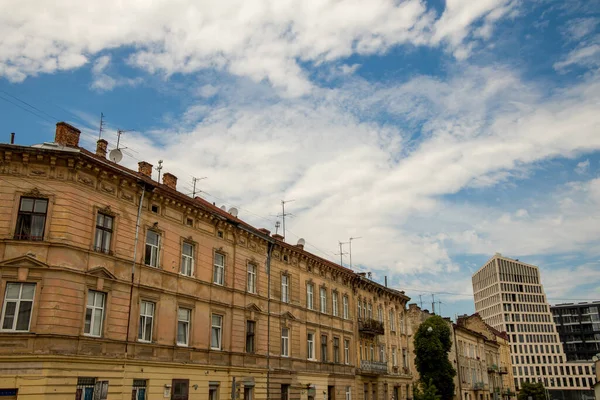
154,249
348,393
346,307
94,308
310,346
219,269
18,304
392,323
144,317
102,232
346,351
323,299
359,309
251,278
381,353
219,329
394,357
285,288
309,296
334,304
380,314
187,260
185,323
285,342
370,311
405,358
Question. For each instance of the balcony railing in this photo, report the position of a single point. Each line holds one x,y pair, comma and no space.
373,367
502,370
370,326
492,368
478,386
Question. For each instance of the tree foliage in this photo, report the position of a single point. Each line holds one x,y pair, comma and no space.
426,391
535,390
431,349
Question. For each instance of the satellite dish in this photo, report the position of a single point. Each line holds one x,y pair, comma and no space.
301,242
233,211
223,208
115,155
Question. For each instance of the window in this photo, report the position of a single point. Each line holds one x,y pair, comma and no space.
91,389
285,342
31,220
248,393
154,208
181,389
104,230
324,348
152,246
139,389
372,352
250,331
146,321
346,351
359,309
189,222
370,311
309,296
285,392
345,306
334,304
381,353
18,303
94,313
187,259
348,393
394,357
183,326
216,331
336,350
380,314
404,358
323,295
392,323
285,288
219,272
251,279
310,343
213,392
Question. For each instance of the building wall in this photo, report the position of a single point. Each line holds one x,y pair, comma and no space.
578,326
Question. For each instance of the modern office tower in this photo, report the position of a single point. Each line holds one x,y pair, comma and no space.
579,328
509,296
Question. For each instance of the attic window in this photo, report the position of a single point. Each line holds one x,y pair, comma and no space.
154,208
309,268
285,258
189,222
220,234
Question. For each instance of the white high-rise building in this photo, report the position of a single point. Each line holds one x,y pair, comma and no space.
509,296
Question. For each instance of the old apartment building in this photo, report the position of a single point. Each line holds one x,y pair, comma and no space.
115,286
510,297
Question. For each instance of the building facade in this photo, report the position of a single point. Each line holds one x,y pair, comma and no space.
509,297
578,326
115,286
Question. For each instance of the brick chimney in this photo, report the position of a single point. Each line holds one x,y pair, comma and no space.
170,180
145,168
67,135
101,148
265,231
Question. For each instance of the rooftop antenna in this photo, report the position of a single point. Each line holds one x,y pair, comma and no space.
350,247
158,168
283,214
119,133
101,126
277,225
196,180
439,307
432,303
421,301
342,253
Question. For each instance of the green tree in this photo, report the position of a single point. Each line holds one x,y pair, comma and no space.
426,391
433,342
535,390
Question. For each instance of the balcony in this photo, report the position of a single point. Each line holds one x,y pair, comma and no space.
492,368
478,386
502,370
370,327
373,367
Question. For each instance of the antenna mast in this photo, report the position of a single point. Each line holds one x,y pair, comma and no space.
432,303
283,214
421,301
277,225
101,127
158,168
342,252
439,307
194,179
350,247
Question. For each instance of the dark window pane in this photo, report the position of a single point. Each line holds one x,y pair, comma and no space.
24,315
26,205
41,205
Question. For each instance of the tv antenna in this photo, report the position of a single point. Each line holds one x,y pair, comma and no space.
119,133
101,126
342,253
158,168
432,303
277,225
194,179
283,214
421,301
439,307
350,247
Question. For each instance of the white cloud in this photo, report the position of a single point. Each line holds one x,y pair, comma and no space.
104,82
586,55
582,167
264,40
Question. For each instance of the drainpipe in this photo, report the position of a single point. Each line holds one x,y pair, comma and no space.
457,364
270,246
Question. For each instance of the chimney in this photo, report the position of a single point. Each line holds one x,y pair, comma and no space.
170,180
101,145
386,281
12,138
277,236
145,168
67,135
265,231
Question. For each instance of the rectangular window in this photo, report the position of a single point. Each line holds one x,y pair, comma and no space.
392,322
104,231
285,288
309,296
324,348
250,332
285,392
146,321
370,311
181,389
91,389
213,392
18,303
345,305
323,298
219,272
381,353
251,279
187,259
184,315
310,345
31,219
334,304
359,309
394,357
94,313
248,393
216,331
346,351
285,342
336,350
152,246
405,358
139,389
348,393
380,314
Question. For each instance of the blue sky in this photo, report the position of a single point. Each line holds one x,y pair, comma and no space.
439,132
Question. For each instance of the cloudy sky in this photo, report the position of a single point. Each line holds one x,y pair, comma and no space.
440,132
